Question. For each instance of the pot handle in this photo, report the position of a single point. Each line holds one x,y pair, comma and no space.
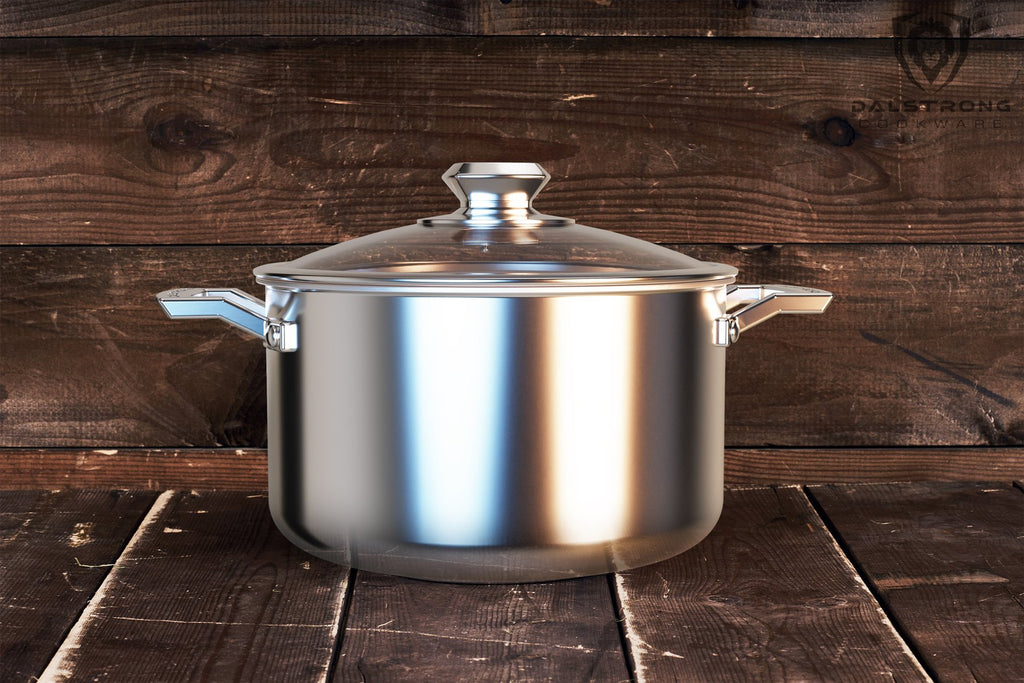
763,302
235,307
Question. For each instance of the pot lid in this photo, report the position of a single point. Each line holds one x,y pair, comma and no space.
495,238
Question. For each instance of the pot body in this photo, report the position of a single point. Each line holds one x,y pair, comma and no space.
497,438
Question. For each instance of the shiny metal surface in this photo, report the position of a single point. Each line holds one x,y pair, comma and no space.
496,394
507,285
233,306
497,439
496,195
764,302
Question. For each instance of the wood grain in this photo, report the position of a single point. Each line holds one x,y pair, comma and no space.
767,596
86,353
245,469
948,563
252,141
152,469
916,350
764,466
55,550
776,18
404,630
208,590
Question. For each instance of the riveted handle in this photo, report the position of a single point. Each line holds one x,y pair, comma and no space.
764,302
232,306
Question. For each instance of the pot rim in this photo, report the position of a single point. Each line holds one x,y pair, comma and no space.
447,284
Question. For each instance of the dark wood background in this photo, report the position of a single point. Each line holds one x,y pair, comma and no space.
146,145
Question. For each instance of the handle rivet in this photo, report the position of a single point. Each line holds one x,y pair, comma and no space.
734,331
273,336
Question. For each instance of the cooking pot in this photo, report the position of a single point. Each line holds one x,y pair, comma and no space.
496,395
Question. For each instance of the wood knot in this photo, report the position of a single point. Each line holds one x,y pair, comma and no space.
185,133
838,131
182,142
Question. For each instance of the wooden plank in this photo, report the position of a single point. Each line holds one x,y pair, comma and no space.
153,469
765,466
208,590
948,562
255,141
55,549
915,351
245,469
404,630
776,18
89,359
767,596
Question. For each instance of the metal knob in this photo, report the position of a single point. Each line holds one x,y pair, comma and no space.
496,195
496,185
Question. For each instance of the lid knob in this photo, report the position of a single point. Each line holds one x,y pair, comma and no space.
495,197
496,185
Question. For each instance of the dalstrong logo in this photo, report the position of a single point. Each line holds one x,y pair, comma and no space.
931,47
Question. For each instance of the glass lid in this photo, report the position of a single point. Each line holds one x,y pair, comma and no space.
495,237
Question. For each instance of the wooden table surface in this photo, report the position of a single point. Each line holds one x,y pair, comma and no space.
845,582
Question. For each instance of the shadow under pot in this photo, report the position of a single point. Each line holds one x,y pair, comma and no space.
496,394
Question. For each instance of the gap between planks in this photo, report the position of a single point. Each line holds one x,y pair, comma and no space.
61,667
342,610
636,649
620,623
889,620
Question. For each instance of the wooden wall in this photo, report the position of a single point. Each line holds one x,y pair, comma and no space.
146,145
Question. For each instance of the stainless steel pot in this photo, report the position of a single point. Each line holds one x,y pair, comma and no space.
496,394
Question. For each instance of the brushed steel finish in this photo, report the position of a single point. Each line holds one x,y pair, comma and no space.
497,438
